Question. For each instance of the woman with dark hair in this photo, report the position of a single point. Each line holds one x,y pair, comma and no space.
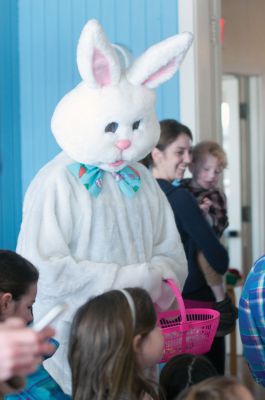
168,162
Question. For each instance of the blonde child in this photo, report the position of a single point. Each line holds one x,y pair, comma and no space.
208,163
114,347
217,388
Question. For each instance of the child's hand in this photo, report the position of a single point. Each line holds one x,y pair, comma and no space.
205,205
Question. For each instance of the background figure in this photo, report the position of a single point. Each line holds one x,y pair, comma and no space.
168,162
18,290
115,344
183,371
252,320
208,163
217,388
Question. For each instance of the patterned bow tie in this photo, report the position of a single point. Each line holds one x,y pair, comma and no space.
128,179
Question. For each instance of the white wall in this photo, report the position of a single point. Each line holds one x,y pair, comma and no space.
243,53
243,50
200,80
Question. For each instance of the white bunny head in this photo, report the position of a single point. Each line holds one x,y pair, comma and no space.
109,119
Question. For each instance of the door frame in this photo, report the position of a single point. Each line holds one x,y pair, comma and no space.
257,127
200,75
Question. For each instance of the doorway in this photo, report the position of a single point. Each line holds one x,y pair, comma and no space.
237,177
241,141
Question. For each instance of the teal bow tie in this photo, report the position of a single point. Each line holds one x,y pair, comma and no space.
128,179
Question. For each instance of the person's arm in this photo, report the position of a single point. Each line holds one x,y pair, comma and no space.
217,210
191,219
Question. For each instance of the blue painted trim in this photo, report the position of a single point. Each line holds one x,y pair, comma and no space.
10,173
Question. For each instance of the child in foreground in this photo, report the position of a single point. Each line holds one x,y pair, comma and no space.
18,290
208,163
114,347
217,388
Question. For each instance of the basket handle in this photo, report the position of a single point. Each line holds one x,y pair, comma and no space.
171,284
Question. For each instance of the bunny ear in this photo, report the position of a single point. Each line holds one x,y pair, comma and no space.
97,61
160,62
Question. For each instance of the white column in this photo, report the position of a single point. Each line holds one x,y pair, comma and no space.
200,74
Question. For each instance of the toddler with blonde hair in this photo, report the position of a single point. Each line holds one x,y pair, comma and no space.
208,163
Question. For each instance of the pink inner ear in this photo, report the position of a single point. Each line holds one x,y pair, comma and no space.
162,71
100,67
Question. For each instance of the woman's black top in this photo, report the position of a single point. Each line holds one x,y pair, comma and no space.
197,236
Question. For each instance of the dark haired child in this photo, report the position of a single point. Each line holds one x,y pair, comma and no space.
18,288
182,371
168,162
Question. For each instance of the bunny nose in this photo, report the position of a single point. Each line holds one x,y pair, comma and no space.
123,144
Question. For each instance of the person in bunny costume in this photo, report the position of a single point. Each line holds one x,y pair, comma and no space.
93,218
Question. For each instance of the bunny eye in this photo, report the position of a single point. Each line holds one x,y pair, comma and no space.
135,125
112,127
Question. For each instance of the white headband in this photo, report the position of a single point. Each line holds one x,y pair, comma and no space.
131,304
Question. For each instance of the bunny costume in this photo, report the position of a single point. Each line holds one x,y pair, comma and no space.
94,219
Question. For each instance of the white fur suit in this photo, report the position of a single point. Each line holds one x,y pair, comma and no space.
84,244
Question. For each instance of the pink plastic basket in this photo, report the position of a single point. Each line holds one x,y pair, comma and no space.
187,330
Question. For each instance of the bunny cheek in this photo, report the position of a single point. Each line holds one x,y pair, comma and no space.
78,127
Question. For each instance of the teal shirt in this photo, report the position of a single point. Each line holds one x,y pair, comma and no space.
40,386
